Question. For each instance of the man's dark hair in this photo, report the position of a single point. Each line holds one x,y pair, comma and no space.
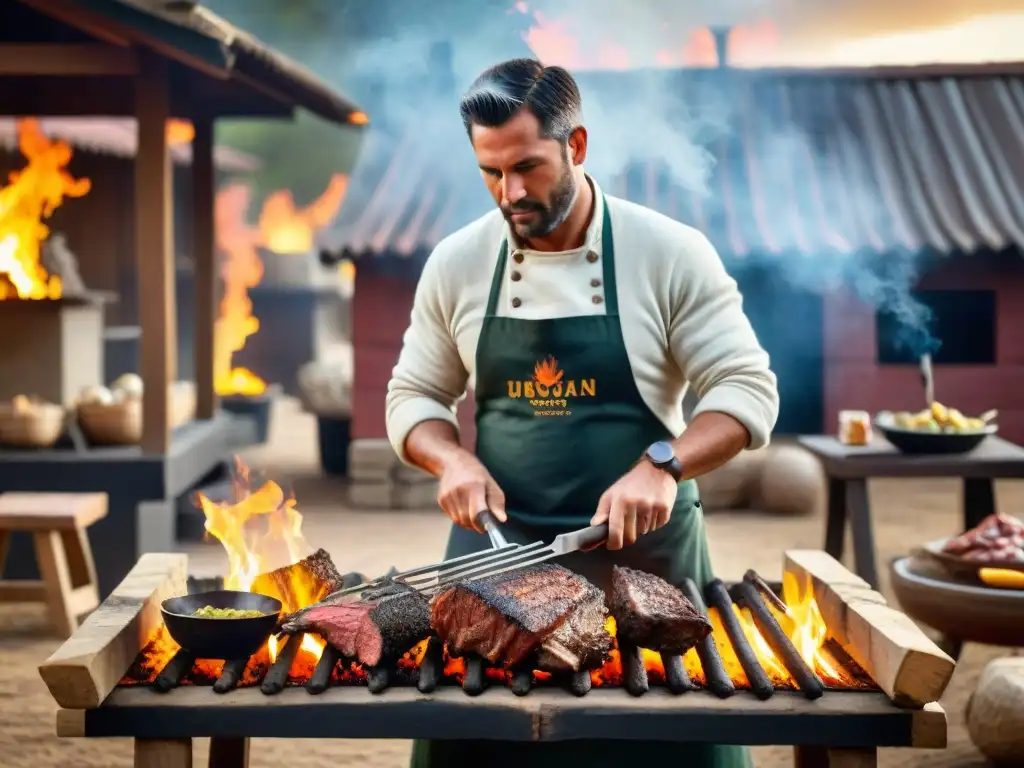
550,93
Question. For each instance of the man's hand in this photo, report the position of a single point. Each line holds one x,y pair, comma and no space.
639,502
466,489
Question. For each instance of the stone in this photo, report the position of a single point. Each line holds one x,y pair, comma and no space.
791,482
995,712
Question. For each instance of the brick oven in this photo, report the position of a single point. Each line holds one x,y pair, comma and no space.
943,206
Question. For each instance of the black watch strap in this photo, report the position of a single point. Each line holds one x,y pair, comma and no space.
663,457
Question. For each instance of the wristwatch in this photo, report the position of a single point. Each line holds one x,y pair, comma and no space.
662,456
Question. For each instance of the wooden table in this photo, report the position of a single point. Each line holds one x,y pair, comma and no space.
141,489
848,469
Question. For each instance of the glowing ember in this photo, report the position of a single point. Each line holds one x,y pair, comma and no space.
282,229
32,195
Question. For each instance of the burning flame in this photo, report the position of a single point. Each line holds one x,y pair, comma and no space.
285,229
282,229
547,372
31,196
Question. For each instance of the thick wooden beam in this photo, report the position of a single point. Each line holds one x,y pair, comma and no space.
205,260
154,250
85,669
853,719
66,59
902,660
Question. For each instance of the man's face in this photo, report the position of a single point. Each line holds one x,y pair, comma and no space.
531,178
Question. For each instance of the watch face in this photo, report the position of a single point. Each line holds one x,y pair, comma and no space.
660,453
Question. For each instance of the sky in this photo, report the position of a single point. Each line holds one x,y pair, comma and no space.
777,32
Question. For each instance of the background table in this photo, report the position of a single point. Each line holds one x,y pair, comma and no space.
849,467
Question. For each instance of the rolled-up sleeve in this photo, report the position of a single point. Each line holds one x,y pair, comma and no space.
716,347
429,378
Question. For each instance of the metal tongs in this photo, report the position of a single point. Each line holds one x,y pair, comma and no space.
503,557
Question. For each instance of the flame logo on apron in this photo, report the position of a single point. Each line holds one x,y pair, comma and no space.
548,391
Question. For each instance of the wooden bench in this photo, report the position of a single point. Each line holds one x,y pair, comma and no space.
58,523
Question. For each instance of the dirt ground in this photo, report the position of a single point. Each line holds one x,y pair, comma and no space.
905,513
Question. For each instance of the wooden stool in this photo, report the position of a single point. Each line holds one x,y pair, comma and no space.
58,523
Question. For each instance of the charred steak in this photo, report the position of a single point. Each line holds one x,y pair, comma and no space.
581,641
381,624
651,613
506,618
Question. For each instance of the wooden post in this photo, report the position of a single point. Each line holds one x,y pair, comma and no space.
229,752
154,249
163,753
900,658
90,664
204,256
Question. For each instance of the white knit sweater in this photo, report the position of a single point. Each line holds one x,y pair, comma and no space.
682,319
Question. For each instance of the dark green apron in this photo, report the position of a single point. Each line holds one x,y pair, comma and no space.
559,419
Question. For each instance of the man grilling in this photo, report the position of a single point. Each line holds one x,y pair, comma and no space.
579,320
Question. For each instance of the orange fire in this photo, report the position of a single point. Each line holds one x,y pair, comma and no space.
285,229
547,373
261,530
32,195
281,229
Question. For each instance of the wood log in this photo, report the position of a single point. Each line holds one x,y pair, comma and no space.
901,659
85,669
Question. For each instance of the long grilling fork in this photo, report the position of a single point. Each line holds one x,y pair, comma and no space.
503,557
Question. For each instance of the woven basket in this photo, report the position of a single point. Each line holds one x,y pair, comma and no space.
38,426
120,423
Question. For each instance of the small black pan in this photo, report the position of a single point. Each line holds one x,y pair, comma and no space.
210,638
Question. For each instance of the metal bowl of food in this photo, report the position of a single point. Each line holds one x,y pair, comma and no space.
224,624
937,429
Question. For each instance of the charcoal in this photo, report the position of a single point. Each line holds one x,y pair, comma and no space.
580,682
431,666
506,618
651,613
378,677
677,679
474,680
382,624
231,675
521,682
320,681
634,673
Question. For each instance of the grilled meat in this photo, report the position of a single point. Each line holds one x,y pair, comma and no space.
381,624
651,613
997,539
506,618
581,641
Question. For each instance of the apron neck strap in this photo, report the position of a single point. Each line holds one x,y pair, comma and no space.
611,294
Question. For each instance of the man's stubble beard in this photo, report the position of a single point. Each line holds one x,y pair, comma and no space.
557,211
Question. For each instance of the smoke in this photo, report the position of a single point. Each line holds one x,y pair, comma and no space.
639,116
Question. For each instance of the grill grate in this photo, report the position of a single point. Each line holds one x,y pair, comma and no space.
430,672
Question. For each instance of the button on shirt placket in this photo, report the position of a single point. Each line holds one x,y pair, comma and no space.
595,282
515,276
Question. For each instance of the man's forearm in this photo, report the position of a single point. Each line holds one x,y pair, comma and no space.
433,444
710,440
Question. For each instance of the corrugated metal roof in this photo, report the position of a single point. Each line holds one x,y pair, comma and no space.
186,31
814,163
117,136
